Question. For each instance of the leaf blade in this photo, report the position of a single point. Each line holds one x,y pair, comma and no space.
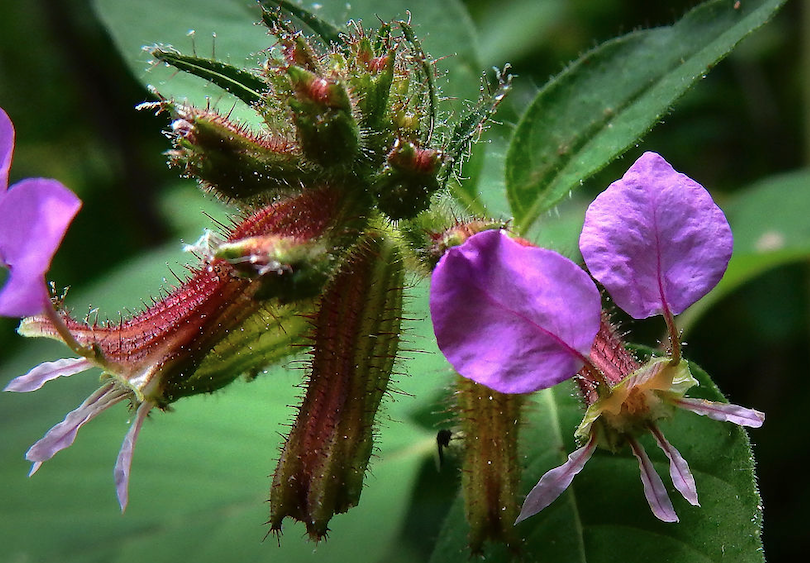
629,83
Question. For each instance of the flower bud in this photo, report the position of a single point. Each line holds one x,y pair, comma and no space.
231,161
322,113
404,187
289,268
490,474
355,338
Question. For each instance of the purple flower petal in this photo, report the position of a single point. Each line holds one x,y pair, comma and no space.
655,239
722,411
679,470
124,461
654,489
47,371
36,213
554,482
6,148
514,318
63,434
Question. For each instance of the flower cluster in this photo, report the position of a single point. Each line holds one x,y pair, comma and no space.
330,190
518,318
336,192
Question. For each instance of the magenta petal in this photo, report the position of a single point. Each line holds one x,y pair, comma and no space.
63,434
47,371
554,482
723,411
514,318
124,461
654,489
655,239
6,148
36,213
679,470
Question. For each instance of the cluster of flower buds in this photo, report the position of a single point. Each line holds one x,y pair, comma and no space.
329,189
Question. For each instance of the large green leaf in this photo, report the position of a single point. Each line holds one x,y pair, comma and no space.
603,517
610,97
771,228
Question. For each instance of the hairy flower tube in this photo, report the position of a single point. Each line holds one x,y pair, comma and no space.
519,319
34,216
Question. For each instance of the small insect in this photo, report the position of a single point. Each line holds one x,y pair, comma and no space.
443,439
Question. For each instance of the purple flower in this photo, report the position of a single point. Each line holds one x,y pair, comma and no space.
34,216
518,319
63,434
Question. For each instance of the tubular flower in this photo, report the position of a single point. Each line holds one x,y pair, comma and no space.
657,242
184,344
34,216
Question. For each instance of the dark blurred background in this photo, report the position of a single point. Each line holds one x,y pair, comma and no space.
72,101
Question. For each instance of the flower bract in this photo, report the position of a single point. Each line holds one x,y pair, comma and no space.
500,308
655,239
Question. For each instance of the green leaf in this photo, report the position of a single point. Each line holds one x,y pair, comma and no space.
222,30
770,225
603,517
609,98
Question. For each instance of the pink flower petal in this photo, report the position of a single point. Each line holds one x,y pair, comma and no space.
679,470
555,481
6,148
514,318
654,489
124,461
722,411
47,371
36,213
655,239
63,434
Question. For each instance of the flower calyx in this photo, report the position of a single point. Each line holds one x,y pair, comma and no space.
355,337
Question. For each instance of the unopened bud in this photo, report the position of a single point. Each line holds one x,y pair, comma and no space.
355,341
290,268
405,186
233,162
322,113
